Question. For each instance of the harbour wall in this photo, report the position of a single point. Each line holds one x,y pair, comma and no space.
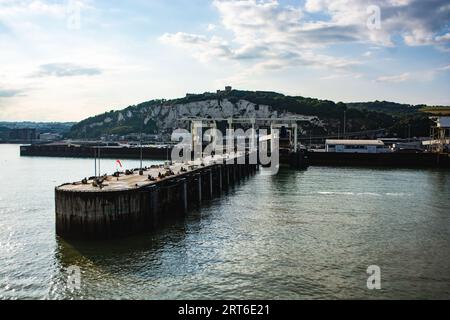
113,214
300,160
397,160
65,151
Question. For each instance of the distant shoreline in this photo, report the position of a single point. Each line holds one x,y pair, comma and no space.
15,142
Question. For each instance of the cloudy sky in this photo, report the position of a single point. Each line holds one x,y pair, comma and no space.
66,60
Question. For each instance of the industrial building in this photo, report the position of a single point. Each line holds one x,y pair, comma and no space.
356,146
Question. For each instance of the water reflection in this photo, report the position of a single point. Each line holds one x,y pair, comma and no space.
297,235
119,262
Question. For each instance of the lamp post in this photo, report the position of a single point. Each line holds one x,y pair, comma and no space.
141,172
345,122
310,138
99,164
144,115
95,162
409,132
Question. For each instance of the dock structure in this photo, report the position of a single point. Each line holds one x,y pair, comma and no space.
440,130
142,200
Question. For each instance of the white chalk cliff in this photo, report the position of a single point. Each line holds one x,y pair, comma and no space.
167,117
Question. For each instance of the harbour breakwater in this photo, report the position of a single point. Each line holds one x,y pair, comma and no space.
138,201
394,160
74,151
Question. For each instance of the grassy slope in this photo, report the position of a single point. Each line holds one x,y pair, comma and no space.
360,116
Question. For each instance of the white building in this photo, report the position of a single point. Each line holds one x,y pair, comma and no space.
356,146
443,122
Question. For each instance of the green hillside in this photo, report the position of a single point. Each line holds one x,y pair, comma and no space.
393,108
360,116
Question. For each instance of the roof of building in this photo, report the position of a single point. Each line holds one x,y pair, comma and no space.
356,142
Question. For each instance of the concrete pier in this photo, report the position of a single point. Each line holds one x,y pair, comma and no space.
129,203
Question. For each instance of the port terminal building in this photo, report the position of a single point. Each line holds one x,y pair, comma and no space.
356,146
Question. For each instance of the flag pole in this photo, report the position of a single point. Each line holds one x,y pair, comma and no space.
99,159
95,162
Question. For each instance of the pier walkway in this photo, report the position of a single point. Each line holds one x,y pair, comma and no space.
126,204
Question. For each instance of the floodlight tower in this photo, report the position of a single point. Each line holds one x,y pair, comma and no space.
439,136
197,127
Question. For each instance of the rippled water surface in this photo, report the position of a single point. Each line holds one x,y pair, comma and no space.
297,235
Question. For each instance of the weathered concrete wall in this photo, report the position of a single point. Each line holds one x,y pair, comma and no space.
397,160
90,152
103,215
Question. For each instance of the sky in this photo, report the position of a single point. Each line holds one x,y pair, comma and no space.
70,59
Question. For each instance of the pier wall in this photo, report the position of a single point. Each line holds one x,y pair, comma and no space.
105,215
90,152
397,160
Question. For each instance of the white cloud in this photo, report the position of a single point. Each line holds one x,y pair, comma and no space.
395,78
273,36
314,5
22,16
10,8
262,44
265,34
9,93
65,70
417,22
200,46
425,75
445,68
444,38
342,75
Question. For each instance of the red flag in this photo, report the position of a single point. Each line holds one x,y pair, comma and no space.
120,163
